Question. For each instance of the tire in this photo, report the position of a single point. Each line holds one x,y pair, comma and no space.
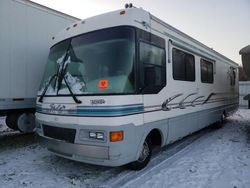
26,122
21,121
221,122
144,157
11,120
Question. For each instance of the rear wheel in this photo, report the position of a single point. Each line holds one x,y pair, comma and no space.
26,122
11,120
144,157
22,121
221,122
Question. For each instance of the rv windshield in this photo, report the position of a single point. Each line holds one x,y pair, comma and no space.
100,62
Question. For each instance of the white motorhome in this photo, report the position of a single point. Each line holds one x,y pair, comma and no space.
26,32
118,84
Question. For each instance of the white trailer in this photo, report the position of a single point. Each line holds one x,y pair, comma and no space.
26,32
118,84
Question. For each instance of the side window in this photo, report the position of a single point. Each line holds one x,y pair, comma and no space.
207,73
183,65
153,68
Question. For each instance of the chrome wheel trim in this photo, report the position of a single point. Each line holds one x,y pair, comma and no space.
144,153
26,122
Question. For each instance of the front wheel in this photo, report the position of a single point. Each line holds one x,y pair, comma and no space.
144,157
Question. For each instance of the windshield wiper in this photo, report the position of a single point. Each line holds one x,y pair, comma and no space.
66,82
71,92
60,79
46,88
62,72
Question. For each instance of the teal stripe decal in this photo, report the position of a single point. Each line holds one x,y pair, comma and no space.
96,110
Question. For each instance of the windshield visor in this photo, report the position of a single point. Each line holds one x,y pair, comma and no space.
100,62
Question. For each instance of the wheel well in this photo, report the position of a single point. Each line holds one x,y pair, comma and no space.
155,137
20,111
224,113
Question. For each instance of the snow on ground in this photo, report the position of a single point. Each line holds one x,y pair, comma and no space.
4,129
218,159
214,158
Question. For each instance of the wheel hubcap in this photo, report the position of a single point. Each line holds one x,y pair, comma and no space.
26,122
144,153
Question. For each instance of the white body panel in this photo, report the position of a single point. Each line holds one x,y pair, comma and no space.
182,118
26,32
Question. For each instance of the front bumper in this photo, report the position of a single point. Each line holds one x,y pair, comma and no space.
103,153
69,150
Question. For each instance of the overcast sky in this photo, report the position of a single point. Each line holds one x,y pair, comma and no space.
223,25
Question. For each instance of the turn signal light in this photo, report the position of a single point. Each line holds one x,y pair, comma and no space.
116,136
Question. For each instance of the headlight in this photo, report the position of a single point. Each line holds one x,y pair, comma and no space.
96,135
92,135
100,136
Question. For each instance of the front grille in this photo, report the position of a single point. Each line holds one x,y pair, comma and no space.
65,134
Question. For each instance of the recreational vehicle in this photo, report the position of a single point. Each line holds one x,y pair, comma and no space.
26,30
119,84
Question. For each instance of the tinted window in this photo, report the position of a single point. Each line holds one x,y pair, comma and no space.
183,65
152,61
207,74
100,62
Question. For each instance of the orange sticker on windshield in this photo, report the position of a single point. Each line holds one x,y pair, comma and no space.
103,84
